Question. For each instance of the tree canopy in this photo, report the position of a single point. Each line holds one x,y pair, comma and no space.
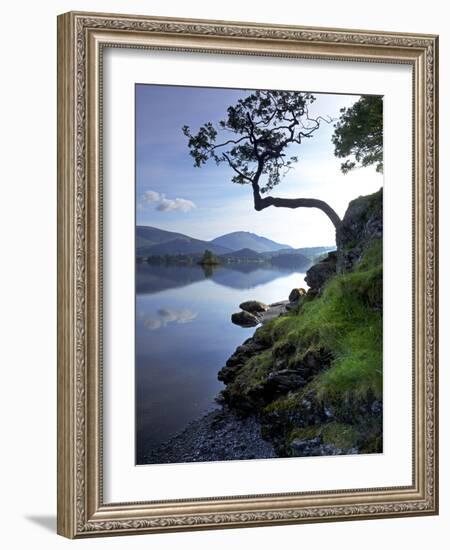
256,136
253,140
209,258
359,134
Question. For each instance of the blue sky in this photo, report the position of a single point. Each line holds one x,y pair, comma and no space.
203,202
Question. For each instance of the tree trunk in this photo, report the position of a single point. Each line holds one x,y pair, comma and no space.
261,203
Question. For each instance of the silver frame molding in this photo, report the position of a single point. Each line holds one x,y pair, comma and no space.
81,39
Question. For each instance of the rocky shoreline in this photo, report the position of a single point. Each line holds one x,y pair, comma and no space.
218,435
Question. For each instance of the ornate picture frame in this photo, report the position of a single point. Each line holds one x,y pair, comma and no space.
82,40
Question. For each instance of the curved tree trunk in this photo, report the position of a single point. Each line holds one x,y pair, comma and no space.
265,202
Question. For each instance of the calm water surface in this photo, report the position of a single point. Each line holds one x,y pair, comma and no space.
184,335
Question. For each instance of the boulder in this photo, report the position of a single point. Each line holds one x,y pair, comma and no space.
296,294
253,306
320,273
283,381
245,319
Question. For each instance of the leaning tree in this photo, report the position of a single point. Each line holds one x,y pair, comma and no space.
255,141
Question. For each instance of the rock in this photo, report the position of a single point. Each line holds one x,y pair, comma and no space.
253,306
217,435
255,312
376,407
296,294
320,273
312,362
362,223
242,353
245,319
284,350
282,381
273,311
303,444
316,447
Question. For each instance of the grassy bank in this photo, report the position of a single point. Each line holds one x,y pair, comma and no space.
332,344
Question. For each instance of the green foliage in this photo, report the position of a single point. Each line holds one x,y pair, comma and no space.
254,136
251,376
209,258
373,256
255,371
358,134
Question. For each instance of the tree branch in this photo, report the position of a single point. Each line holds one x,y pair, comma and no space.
234,141
239,172
261,203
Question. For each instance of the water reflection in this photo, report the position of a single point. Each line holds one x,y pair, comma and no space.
166,316
184,335
157,278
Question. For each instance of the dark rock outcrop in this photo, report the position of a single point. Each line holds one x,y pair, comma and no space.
242,353
362,223
282,381
318,275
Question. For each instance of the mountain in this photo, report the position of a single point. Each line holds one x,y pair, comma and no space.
243,239
148,236
151,241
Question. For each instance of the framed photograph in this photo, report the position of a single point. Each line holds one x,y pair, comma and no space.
247,276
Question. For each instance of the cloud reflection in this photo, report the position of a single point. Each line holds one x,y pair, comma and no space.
167,316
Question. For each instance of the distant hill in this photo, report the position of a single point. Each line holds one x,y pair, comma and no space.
243,239
151,241
148,236
182,245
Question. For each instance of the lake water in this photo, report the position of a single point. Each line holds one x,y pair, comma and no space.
184,335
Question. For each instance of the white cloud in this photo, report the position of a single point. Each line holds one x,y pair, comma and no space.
151,196
166,205
163,204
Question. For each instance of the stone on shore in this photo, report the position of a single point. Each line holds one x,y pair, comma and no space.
296,294
253,306
245,319
217,435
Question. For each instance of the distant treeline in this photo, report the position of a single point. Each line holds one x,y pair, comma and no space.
281,260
